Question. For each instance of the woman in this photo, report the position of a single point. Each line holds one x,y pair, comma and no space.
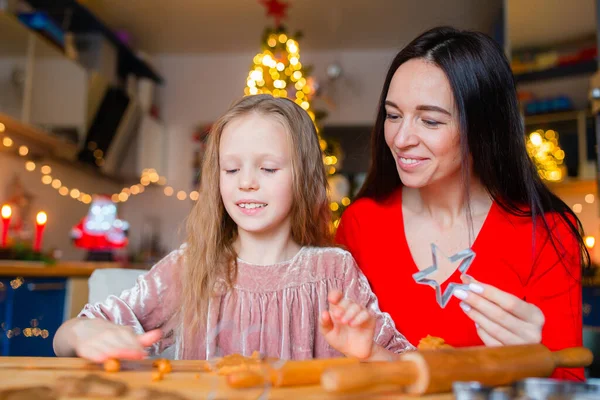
450,168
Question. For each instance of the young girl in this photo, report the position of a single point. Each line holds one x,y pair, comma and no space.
255,274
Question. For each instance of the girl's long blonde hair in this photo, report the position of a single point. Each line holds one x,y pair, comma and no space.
209,254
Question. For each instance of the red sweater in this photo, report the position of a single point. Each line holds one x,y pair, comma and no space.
374,233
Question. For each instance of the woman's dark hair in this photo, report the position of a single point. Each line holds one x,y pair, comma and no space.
491,129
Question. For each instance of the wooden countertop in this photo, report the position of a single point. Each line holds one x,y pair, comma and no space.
10,268
192,382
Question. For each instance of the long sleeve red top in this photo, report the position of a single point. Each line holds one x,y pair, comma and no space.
374,233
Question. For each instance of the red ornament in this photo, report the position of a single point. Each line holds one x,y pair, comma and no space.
275,9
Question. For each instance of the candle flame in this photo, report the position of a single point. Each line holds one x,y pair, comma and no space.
41,218
6,211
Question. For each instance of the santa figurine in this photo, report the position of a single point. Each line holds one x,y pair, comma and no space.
100,232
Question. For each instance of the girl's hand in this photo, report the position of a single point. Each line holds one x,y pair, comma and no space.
500,317
348,327
97,340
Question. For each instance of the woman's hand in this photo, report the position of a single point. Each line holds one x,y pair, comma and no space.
500,317
98,340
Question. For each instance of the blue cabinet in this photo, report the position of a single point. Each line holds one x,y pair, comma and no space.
31,310
591,326
591,306
4,285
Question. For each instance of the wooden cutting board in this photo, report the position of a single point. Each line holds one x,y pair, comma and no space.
16,372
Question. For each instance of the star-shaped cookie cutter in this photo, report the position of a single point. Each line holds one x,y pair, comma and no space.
465,257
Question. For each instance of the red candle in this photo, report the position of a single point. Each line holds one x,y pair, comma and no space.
6,214
40,224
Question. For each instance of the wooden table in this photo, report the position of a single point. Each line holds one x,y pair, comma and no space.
193,383
67,269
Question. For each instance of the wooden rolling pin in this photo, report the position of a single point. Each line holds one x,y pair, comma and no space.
292,373
433,371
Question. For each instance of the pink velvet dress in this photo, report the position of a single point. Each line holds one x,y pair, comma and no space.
273,309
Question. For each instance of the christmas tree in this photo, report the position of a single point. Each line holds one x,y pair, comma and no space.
277,70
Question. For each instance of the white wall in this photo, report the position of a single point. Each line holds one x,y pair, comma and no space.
199,88
11,96
59,96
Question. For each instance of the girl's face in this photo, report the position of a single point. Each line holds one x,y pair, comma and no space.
421,127
256,174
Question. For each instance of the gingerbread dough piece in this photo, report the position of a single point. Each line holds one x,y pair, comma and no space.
238,363
164,366
151,394
89,385
36,393
157,376
432,343
112,365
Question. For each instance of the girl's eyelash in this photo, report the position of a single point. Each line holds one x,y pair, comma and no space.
269,170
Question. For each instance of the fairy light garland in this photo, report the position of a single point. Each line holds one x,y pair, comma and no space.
97,153
148,177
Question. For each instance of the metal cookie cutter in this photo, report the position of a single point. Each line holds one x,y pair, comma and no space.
465,258
549,389
470,391
502,393
592,390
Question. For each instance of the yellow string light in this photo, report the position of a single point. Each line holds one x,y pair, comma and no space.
546,154
149,176
75,193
